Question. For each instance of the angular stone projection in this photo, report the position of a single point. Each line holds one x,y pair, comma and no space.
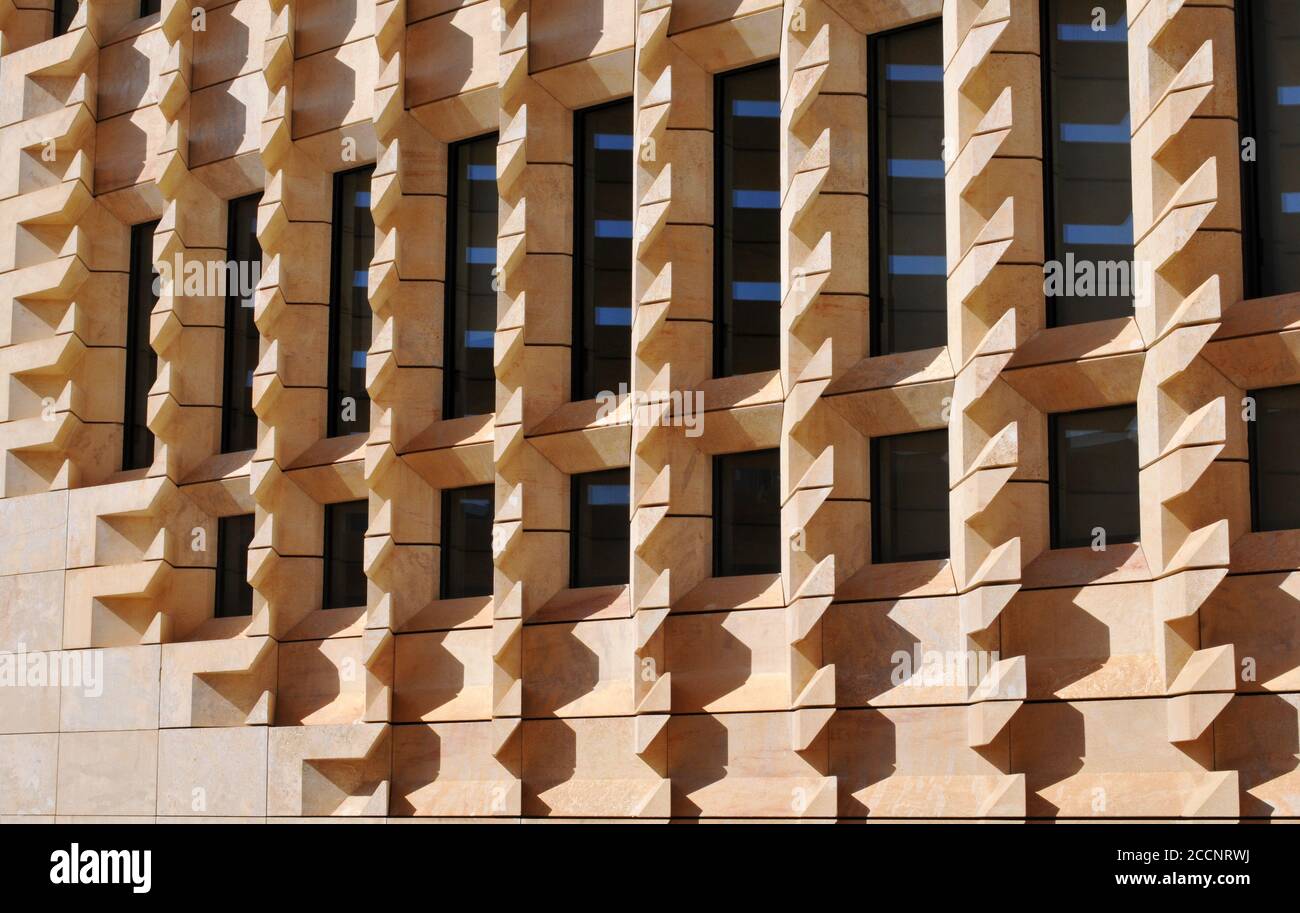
784,630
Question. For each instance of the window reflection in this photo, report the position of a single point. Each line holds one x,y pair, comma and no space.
1089,182
601,528
603,325
748,237
1094,476
747,513
471,316
350,317
910,496
909,265
467,542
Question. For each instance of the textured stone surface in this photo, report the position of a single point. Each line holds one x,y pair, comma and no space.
1112,685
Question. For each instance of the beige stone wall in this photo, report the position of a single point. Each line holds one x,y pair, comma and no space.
1156,680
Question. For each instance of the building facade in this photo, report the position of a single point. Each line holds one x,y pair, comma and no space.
649,409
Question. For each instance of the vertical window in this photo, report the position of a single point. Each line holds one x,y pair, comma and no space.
354,247
602,339
141,360
345,538
238,421
1094,476
747,513
469,383
1275,459
149,7
1089,198
234,595
909,482
1269,101
600,545
747,237
909,268
467,542
64,12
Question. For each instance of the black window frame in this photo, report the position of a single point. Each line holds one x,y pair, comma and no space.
1252,248
233,308
1251,266
220,594
577,370
575,512
875,256
1252,456
1050,252
1252,461
878,501
141,234
327,547
1054,488
717,469
335,305
444,537
449,272
61,16
719,205
1045,122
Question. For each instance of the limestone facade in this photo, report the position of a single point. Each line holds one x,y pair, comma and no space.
1158,680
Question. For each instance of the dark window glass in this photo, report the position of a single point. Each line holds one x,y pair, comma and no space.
909,291
748,236
1275,459
141,360
910,494
747,513
64,11
149,7
1089,200
1094,476
467,542
469,381
238,421
1269,87
602,344
601,529
345,537
354,247
234,595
